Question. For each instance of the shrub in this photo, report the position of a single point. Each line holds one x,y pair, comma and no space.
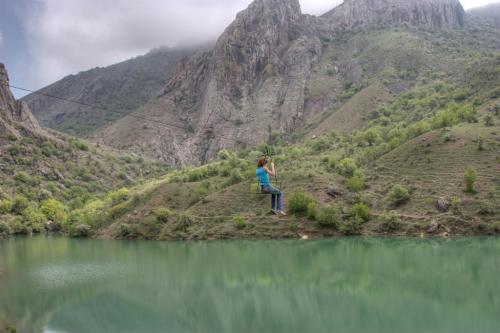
352,227
455,204
347,167
489,120
312,210
14,150
239,221
151,228
183,222
48,149
129,231
235,177
224,154
328,216
390,222
486,208
299,202
162,215
119,196
19,228
34,218
55,211
480,143
360,210
357,182
24,178
79,144
5,230
371,137
118,210
398,195
19,204
319,144
470,179
81,231
5,206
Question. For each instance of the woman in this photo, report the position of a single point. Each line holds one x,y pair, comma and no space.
263,173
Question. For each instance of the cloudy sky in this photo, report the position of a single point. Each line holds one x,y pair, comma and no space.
42,41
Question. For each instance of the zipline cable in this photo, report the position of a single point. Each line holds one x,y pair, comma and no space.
91,106
155,122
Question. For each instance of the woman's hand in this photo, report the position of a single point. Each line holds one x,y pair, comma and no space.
272,171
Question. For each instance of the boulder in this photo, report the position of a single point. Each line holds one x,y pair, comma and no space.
334,191
443,205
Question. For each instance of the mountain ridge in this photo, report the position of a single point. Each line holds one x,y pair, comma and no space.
121,87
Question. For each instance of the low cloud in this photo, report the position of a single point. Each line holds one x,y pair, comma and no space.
66,37
69,36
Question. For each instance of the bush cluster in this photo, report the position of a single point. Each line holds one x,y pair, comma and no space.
398,195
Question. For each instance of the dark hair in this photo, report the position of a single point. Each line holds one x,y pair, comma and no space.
262,162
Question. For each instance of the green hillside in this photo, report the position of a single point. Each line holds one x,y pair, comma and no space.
407,135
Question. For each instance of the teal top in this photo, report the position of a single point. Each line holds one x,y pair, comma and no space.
263,176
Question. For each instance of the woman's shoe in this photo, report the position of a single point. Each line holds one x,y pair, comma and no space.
274,212
282,213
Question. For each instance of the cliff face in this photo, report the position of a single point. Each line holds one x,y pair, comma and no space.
255,81
250,84
15,116
429,13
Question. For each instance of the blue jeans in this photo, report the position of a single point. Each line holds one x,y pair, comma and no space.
276,198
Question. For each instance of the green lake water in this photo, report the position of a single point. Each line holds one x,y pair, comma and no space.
339,285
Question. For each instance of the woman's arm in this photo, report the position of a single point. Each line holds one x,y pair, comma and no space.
271,172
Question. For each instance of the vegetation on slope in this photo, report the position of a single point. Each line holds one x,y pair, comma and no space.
402,175
422,159
45,178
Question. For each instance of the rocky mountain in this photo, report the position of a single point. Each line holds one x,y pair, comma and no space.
121,88
16,119
427,13
263,78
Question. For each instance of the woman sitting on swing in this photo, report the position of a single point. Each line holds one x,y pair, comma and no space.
263,173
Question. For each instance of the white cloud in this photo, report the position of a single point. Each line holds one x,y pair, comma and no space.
475,3
1,38
69,36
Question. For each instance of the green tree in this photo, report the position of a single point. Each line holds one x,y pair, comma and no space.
371,137
55,211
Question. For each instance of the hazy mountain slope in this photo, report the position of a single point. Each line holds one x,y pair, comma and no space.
487,14
271,73
42,167
122,87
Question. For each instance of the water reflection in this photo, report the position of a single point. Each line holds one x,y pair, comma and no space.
344,285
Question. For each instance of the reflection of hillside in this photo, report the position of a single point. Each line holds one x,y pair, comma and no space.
285,286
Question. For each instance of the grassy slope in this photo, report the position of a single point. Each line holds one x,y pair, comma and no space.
429,165
55,166
418,86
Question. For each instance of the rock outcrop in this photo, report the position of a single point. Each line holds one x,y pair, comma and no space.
250,84
441,14
15,117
